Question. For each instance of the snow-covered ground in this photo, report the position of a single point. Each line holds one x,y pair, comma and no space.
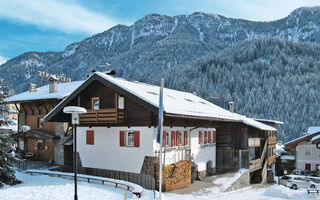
47,188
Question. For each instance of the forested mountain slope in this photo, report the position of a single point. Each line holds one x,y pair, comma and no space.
266,78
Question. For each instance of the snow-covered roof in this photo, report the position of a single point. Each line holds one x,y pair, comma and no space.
269,121
313,129
174,101
63,90
287,157
303,138
256,124
315,138
178,102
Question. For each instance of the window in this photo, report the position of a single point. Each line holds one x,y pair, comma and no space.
181,142
90,137
168,139
130,138
308,151
202,138
95,103
212,137
40,144
120,102
40,122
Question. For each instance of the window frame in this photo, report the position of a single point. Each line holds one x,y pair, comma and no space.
120,102
92,103
126,136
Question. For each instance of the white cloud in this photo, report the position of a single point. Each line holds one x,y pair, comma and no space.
2,60
58,15
264,10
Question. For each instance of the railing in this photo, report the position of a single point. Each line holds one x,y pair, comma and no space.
174,155
264,173
117,184
271,160
272,140
257,164
22,165
100,116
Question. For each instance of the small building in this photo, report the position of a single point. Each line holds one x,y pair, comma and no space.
305,154
119,132
37,139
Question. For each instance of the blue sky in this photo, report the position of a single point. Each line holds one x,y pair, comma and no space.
50,25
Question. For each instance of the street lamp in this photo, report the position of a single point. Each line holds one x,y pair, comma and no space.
75,111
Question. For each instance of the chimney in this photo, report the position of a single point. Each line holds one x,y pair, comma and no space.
231,106
32,87
53,82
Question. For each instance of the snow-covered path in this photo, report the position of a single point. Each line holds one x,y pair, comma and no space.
51,188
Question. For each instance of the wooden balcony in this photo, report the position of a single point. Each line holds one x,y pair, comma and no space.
111,116
271,160
272,140
255,165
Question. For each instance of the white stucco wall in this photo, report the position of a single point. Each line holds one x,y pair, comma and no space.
200,153
302,158
106,153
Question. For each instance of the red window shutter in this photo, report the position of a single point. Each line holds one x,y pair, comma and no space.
185,137
136,138
205,137
164,138
177,138
209,137
214,136
173,138
200,135
121,138
90,137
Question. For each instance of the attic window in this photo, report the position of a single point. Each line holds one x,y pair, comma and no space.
188,100
203,102
152,93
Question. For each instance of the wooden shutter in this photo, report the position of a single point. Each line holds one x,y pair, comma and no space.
177,138
90,137
121,138
209,137
164,138
205,137
136,138
173,138
214,136
200,135
185,137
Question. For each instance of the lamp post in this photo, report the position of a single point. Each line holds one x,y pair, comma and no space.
75,111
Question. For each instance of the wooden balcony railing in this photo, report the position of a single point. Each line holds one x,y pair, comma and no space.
100,116
271,160
272,140
257,164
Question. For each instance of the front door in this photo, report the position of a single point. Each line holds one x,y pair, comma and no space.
308,166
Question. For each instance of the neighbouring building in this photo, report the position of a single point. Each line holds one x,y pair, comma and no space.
37,139
119,131
302,153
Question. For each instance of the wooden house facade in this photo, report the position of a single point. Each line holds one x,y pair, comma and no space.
37,139
119,131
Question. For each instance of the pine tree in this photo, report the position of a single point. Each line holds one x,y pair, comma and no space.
7,156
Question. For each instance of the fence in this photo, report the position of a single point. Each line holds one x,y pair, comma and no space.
145,181
22,165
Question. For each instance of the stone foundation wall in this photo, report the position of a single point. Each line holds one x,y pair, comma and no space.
241,182
148,166
175,176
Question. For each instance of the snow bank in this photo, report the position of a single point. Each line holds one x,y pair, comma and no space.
227,182
47,188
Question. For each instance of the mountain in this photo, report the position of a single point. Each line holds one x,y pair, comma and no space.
157,46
